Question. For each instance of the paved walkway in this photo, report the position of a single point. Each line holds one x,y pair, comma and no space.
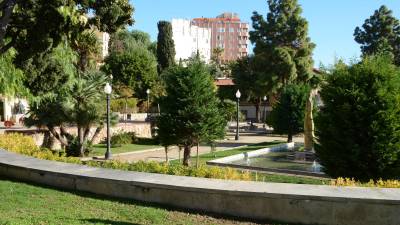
245,139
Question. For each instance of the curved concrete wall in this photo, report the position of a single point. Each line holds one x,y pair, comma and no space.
307,204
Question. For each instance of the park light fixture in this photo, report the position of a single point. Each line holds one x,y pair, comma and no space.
265,110
108,90
238,94
148,101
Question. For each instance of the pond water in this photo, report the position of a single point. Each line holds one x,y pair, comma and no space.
280,161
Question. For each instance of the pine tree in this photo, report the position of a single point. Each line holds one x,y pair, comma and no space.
165,46
282,42
380,34
190,113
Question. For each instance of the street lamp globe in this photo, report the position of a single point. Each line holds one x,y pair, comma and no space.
107,89
148,91
265,98
238,94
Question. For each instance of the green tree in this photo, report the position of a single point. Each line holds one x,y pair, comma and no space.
358,127
80,105
250,82
48,71
124,40
11,78
35,26
190,112
165,46
282,45
380,34
135,67
287,116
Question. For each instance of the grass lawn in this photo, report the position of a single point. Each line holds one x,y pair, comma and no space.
267,177
100,149
23,203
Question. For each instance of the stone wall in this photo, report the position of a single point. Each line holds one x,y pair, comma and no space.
141,129
286,203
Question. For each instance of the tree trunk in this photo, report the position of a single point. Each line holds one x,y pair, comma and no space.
290,137
197,156
309,123
186,155
257,105
57,136
166,154
80,141
96,134
179,153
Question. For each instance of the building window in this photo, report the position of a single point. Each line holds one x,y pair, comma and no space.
231,29
221,29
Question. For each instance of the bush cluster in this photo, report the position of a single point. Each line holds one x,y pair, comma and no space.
122,138
25,145
378,183
175,169
358,127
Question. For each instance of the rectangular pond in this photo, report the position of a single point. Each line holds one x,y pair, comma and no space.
286,159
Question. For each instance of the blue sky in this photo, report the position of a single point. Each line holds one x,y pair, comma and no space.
331,22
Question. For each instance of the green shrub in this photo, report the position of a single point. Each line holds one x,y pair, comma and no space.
287,116
122,138
73,148
358,128
146,141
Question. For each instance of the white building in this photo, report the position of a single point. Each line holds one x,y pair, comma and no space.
189,39
104,39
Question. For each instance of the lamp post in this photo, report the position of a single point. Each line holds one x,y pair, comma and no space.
265,109
237,117
108,90
148,101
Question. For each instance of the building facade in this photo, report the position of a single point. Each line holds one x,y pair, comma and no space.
190,39
229,33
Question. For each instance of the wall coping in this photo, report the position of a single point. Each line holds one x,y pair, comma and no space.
270,190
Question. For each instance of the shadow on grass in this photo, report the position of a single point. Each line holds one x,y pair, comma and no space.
143,204
100,221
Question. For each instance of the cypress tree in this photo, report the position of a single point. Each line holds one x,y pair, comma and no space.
165,46
380,34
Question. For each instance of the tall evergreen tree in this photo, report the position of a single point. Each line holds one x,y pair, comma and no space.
191,112
282,43
165,46
380,34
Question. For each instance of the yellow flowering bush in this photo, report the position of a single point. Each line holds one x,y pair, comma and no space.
25,145
379,183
